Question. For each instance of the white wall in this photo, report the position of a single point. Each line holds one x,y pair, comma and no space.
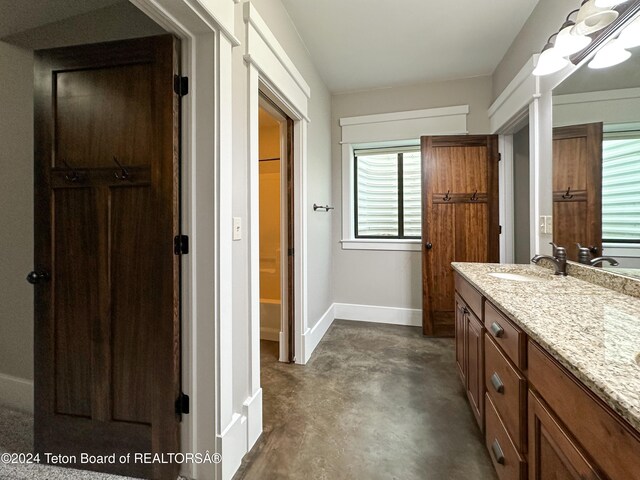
392,278
16,212
16,183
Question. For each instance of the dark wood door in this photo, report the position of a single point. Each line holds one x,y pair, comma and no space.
552,452
459,218
291,264
577,188
107,332
461,326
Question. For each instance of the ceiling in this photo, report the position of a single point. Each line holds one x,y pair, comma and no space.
19,15
365,44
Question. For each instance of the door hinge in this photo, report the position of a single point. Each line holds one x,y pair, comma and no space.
182,404
180,244
499,157
181,85
290,252
500,229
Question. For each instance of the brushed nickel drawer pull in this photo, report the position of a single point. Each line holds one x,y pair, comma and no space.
497,383
497,330
497,452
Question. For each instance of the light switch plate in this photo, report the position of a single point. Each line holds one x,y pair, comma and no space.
543,224
549,224
237,228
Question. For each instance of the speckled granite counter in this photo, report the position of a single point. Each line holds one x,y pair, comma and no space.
591,330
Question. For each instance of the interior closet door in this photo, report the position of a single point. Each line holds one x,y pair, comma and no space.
577,188
459,218
107,332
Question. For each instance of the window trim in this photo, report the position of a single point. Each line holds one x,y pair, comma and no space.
400,198
391,129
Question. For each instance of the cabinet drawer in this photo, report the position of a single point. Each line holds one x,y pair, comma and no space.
470,295
505,457
507,336
507,388
602,434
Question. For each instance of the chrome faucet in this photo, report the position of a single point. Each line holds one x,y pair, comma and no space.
584,257
559,259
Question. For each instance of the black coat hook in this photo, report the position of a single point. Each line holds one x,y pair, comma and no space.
73,175
447,197
124,173
568,195
474,197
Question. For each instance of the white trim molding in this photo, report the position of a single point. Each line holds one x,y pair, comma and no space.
391,245
377,314
16,393
313,335
608,106
231,445
271,72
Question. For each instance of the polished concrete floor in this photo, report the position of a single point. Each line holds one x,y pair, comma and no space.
375,402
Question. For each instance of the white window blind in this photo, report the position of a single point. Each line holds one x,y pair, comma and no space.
388,193
621,187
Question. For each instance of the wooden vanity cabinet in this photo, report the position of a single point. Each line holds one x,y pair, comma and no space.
470,345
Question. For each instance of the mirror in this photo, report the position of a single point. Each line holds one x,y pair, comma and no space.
596,165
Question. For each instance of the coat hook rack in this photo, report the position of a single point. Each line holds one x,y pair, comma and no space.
447,197
326,208
73,175
124,173
568,195
474,197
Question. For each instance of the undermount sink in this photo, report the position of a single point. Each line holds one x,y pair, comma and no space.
515,277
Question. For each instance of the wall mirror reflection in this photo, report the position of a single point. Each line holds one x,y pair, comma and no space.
596,165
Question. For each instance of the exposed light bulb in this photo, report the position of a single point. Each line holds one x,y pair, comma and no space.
550,61
611,54
630,36
568,43
608,3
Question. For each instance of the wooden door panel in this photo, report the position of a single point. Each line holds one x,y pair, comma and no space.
113,107
75,305
107,326
132,233
459,218
577,187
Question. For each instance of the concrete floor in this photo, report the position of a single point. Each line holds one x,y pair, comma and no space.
375,402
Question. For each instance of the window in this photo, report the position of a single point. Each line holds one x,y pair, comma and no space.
387,193
621,187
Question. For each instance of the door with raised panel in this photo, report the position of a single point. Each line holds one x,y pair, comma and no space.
107,331
461,325
459,218
475,367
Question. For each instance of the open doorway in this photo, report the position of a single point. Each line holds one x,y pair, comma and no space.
276,231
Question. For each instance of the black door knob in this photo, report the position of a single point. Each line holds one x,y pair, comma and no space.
428,245
37,277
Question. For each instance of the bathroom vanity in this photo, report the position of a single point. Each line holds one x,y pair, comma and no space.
550,367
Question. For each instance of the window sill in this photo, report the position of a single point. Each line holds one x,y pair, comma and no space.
381,244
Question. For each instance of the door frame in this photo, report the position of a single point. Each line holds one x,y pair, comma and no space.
286,340
206,59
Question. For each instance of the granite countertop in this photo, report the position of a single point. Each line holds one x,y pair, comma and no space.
591,330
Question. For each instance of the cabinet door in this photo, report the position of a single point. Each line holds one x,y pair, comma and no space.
552,453
461,321
475,367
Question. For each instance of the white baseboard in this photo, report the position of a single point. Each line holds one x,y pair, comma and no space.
253,412
232,446
312,337
271,334
16,393
371,313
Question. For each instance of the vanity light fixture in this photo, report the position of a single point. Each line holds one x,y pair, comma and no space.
550,60
568,41
592,18
630,36
608,3
611,54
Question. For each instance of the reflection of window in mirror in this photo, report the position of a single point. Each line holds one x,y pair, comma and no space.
621,192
